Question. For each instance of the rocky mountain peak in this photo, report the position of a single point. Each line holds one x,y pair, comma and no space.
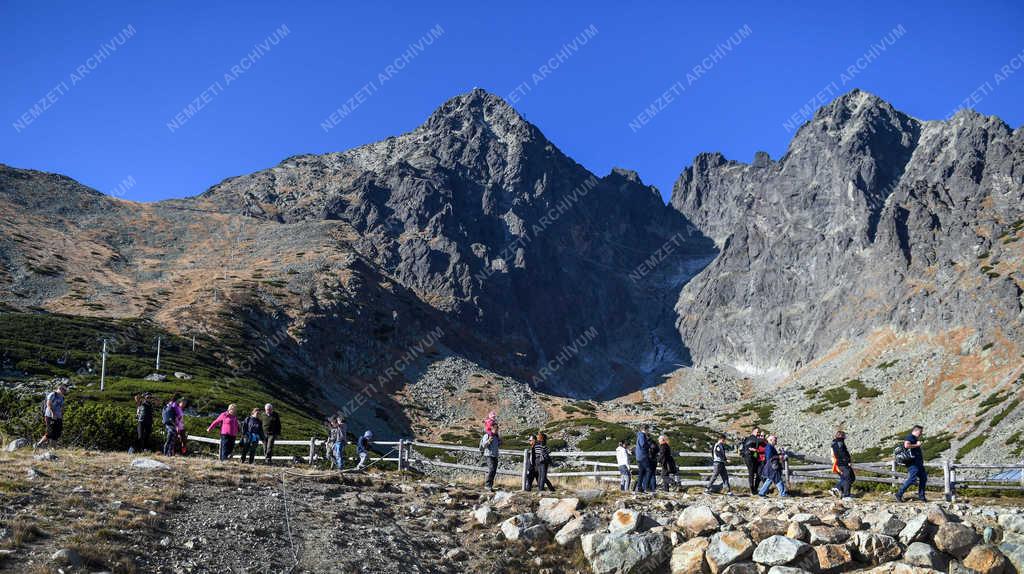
480,110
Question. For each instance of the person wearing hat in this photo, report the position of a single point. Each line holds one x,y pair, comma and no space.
143,421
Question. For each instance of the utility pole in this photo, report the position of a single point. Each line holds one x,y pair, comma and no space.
193,343
103,364
158,354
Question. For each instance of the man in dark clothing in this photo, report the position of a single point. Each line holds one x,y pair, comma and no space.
718,462
531,469
491,452
272,428
915,469
541,461
643,460
842,464
143,420
750,457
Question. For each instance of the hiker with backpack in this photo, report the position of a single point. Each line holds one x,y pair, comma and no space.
774,457
272,427
622,460
169,417
363,446
669,470
912,456
718,468
179,423
53,415
252,435
143,421
750,458
541,460
229,427
842,465
643,463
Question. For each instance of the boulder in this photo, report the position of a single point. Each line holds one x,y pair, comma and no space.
779,550
1014,552
502,499
485,515
886,523
797,531
626,553
852,521
626,520
827,534
156,377
874,548
956,539
1011,523
557,512
763,528
45,456
924,555
698,520
577,527
149,464
688,557
986,559
899,568
67,557
742,568
17,444
834,557
787,570
526,527
805,518
918,529
727,548
455,554
182,376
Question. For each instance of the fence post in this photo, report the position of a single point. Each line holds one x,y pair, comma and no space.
596,478
789,477
947,480
312,450
401,449
525,451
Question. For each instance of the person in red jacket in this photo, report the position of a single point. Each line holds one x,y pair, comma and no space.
228,423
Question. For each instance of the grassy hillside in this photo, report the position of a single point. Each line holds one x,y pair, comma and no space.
41,346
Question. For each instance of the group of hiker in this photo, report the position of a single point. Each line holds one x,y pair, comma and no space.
762,454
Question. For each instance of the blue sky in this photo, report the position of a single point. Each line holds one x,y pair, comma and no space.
105,119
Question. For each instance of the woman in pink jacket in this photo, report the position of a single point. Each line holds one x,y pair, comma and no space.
228,423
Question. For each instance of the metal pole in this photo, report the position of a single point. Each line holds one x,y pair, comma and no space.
401,451
193,342
158,354
103,365
524,469
312,449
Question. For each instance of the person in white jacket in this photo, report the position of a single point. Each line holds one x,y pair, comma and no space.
622,459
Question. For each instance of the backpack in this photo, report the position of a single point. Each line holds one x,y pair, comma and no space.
485,441
168,415
902,455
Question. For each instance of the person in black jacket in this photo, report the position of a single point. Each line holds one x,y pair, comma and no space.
750,457
667,462
531,470
272,427
252,435
842,464
541,460
143,421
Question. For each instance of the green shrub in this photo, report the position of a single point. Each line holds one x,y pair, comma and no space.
1004,413
99,425
969,446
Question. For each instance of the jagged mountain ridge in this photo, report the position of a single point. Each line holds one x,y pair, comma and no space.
871,220
473,223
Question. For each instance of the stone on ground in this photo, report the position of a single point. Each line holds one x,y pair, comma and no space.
557,512
526,527
149,464
924,555
688,557
918,529
827,534
485,515
874,548
726,548
627,520
956,539
834,557
779,550
698,520
577,527
18,443
986,559
763,528
622,553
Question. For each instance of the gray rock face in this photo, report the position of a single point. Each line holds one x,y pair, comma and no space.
872,219
924,555
577,527
779,550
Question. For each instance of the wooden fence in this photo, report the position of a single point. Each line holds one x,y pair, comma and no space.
796,469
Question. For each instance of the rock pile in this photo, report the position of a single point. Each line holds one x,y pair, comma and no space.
703,535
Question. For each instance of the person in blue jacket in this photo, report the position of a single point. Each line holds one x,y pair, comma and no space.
772,469
363,446
643,444
915,469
